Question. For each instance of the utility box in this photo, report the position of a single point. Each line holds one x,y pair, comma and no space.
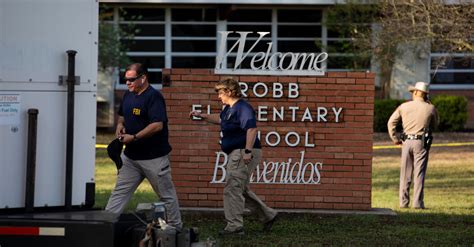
34,38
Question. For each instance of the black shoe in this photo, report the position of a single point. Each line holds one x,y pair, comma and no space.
224,232
267,226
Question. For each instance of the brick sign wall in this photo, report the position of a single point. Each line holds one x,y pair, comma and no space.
316,134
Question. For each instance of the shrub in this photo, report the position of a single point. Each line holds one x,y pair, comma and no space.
452,111
383,109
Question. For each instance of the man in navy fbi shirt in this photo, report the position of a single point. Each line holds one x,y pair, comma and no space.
239,141
143,127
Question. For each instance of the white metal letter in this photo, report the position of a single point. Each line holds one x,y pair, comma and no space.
243,88
277,90
221,167
322,112
265,90
293,90
287,139
337,113
256,59
280,113
306,140
267,139
198,109
307,115
293,112
262,112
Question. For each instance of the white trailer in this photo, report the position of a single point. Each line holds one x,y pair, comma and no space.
34,38
51,206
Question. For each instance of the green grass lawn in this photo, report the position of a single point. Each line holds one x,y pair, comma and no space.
447,221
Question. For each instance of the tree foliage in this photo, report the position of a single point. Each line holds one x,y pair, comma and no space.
380,27
352,22
114,40
447,25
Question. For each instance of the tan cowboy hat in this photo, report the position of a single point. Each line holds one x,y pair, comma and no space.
420,86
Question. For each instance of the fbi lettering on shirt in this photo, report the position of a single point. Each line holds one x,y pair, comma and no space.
136,111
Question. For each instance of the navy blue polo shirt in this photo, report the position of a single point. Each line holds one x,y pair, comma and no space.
139,111
235,121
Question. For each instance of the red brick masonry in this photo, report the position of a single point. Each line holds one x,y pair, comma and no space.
341,155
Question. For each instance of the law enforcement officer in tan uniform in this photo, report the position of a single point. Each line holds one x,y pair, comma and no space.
418,118
240,142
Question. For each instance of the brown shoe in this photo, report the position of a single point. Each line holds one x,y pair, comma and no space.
267,226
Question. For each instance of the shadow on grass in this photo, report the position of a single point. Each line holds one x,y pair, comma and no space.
102,196
317,230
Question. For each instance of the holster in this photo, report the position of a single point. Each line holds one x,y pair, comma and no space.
427,140
403,137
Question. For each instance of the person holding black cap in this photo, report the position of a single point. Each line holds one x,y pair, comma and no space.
419,118
241,144
143,127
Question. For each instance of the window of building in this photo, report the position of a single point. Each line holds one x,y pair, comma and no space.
169,37
248,20
148,43
250,16
194,14
343,55
193,37
142,14
300,31
186,36
452,70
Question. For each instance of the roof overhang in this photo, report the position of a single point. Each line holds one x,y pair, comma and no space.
252,2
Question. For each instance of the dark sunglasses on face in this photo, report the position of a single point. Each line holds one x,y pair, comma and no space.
132,79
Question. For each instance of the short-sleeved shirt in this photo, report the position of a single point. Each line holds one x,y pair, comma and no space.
138,112
235,121
415,116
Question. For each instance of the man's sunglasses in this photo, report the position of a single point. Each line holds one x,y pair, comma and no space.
133,79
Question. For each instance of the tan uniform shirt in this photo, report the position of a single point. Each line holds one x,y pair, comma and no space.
415,115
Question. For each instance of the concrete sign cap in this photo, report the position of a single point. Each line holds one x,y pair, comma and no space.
420,86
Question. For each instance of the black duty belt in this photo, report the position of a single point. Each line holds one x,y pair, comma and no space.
413,137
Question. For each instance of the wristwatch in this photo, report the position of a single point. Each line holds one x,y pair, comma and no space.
135,137
248,151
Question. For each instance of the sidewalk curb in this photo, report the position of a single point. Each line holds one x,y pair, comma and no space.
373,211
